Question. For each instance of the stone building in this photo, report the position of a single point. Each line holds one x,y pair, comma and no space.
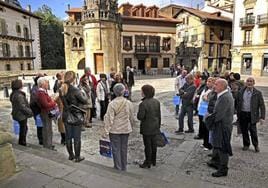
19,38
250,41
203,39
227,5
148,38
92,37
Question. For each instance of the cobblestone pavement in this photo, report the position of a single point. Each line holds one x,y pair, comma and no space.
247,169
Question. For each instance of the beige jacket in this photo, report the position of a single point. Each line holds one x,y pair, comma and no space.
119,117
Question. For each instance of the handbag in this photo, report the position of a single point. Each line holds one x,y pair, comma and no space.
75,115
161,140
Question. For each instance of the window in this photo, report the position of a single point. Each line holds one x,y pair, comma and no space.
166,44
166,62
127,43
29,67
211,50
187,20
221,34
154,62
20,51
265,63
211,35
127,62
18,29
6,50
220,50
81,43
154,44
8,67
26,33
75,45
27,51
140,43
248,37
3,27
21,66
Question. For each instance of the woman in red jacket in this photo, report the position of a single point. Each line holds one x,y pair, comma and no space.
46,104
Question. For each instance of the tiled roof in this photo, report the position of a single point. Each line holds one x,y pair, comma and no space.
74,10
204,15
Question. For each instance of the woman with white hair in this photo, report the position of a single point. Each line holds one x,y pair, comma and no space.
118,122
46,104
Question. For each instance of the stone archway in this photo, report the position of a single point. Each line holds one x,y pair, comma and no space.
82,64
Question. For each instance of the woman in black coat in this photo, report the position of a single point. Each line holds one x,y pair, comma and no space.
150,116
71,95
21,110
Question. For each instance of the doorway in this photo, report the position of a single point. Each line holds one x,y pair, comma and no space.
98,62
141,66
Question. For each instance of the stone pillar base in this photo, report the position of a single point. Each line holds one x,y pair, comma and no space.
7,158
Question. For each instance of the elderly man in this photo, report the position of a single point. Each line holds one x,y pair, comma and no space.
222,130
187,94
128,78
179,82
250,110
46,104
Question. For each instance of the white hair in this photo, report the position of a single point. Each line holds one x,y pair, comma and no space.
41,81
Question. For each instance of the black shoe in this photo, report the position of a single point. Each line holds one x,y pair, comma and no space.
210,155
180,131
189,131
71,158
245,148
145,165
197,137
78,159
219,174
257,149
154,163
212,165
40,143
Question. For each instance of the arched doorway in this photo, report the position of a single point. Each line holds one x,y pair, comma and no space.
82,64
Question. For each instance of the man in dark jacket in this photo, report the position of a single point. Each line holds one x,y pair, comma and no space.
250,110
187,94
222,130
128,78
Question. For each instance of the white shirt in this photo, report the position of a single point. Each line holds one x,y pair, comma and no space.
221,93
179,82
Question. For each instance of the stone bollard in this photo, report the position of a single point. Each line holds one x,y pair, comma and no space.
7,158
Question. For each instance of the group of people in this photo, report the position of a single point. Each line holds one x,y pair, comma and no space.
224,96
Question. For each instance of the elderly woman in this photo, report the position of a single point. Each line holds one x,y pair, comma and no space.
150,116
46,104
71,95
118,122
21,110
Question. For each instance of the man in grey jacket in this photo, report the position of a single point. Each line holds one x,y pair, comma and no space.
222,130
250,110
187,94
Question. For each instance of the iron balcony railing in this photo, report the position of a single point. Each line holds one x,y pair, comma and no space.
247,43
247,21
147,49
262,19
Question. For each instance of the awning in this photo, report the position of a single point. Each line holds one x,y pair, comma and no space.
247,56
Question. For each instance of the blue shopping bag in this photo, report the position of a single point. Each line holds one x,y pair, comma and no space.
38,121
106,148
203,108
16,127
176,100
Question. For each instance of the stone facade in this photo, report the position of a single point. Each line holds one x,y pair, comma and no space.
250,38
19,39
203,40
92,37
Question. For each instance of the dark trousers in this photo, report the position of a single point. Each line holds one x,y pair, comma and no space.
47,130
103,108
23,132
189,111
177,109
220,159
150,148
203,132
40,134
119,144
72,132
246,126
